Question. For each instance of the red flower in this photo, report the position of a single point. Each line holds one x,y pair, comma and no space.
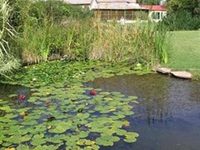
93,92
21,97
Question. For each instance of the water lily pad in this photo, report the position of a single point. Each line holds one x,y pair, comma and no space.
84,142
83,134
92,147
77,116
55,139
38,139
121,132
46,147
107,140
17,139
12,95
60,127
131,137
6,108
22,147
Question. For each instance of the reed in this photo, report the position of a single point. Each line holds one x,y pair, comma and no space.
87,38
7,61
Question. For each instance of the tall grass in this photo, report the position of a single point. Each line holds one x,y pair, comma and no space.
42,35
7,61
136,43
93,40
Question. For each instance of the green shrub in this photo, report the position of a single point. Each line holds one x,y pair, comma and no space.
182,20
42,27
34,12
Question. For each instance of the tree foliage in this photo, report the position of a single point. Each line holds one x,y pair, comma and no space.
183,15
192,6
149,2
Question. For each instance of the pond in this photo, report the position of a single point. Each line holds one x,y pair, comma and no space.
61,116
6,90
168,113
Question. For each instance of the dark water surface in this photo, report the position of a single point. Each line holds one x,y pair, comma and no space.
6,90
167,116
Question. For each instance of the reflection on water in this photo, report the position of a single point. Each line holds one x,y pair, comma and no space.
168,114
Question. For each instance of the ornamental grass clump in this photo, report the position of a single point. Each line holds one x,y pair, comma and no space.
7,61
133,43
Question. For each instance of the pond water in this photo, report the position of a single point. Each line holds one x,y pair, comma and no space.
6,90
167,116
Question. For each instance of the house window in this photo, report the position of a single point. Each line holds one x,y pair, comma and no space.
156,15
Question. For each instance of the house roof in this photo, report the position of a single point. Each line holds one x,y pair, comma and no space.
154,7
78,2
115,5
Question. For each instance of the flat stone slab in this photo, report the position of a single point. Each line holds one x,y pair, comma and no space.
163,70
182,74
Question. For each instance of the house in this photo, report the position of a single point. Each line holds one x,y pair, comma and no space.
115,9
122,10
156,12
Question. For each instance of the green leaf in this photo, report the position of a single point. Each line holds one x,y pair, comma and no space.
107,140
131,137
60,126
38,139
83,142
23,147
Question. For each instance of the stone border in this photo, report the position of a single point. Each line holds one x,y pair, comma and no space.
178,74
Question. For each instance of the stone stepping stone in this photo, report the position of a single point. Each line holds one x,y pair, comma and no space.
164,70
182,74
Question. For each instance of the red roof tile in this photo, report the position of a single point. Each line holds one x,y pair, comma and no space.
154,7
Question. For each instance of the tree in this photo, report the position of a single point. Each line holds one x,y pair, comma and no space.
183,15
149,2
192,6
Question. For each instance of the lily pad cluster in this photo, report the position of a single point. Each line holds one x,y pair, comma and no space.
70,72
66,116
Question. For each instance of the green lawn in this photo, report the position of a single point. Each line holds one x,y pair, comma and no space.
184,53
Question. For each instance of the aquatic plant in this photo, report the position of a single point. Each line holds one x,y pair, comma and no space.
74,120
93,92
69,72
21,98
61,113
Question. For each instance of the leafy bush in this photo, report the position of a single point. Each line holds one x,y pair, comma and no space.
183,15
182,20
40,25
34,12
